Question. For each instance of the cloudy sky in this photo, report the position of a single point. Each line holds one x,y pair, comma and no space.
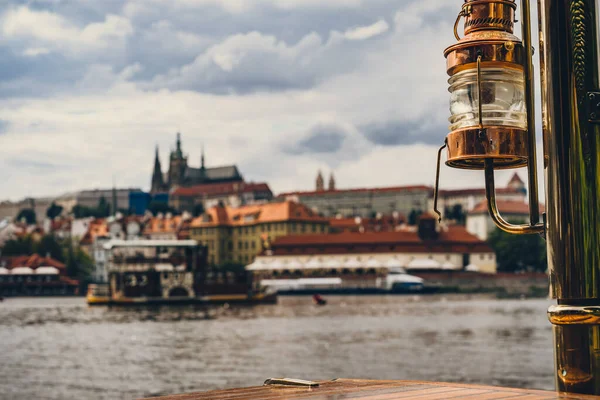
282,88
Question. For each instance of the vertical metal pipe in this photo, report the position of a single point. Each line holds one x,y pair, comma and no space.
534,208
568,38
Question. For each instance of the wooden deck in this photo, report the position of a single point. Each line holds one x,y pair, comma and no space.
355,389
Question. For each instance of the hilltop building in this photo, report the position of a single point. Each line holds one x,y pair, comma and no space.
361,202
234,194
180,174
237,235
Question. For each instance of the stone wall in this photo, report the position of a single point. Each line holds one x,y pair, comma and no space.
528,284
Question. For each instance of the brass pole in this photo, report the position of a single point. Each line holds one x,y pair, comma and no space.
534,208
569,64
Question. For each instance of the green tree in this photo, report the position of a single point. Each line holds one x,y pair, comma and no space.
28,214
413,216
103,209
18,247
48,245
80,211
156,207
54,211
198,210
518,252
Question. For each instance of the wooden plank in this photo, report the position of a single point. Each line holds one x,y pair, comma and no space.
343,389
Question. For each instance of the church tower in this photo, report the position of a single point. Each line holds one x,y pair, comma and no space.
177,165
320,183
331,182
157,185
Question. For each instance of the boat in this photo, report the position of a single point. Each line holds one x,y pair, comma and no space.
169,272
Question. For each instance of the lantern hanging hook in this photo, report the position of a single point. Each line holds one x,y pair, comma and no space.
437,181
465,11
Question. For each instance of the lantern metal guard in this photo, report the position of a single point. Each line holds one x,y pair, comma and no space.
502,136
492,126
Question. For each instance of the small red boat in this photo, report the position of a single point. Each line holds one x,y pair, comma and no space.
318,300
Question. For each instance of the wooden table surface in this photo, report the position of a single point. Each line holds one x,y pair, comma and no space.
339,389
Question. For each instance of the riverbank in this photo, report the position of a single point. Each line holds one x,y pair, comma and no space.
503,285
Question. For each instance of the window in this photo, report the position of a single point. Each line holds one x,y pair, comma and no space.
246,245
240,245
491,256
253,245
314,228
293,228
447,257
481,256
302,228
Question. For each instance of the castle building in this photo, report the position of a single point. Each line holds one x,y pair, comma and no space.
180,174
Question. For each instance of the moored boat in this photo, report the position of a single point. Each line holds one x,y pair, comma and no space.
169,272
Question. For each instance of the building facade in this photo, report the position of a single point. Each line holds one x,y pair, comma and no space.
427,247
237,235
362,202
179,173
234,194
480,224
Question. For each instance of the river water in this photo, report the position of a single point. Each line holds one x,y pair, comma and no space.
59,348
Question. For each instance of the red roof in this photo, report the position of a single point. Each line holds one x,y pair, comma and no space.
33,261
505,207
358,190
451,239
354,224
516,179
215,189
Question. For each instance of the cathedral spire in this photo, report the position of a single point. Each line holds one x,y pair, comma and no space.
178,141
320,186
202,158
331,182
157,183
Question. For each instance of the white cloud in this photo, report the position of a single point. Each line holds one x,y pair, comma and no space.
366,32
49,29
35,51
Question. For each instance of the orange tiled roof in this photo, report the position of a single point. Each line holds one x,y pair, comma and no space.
505,207
256,214
358,190
162,225
97,228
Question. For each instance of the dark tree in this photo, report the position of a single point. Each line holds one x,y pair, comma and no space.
156,207
53,211
48,245
103,209
458,214
198,210
414,216
28,214
519,252
80,211
18,247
